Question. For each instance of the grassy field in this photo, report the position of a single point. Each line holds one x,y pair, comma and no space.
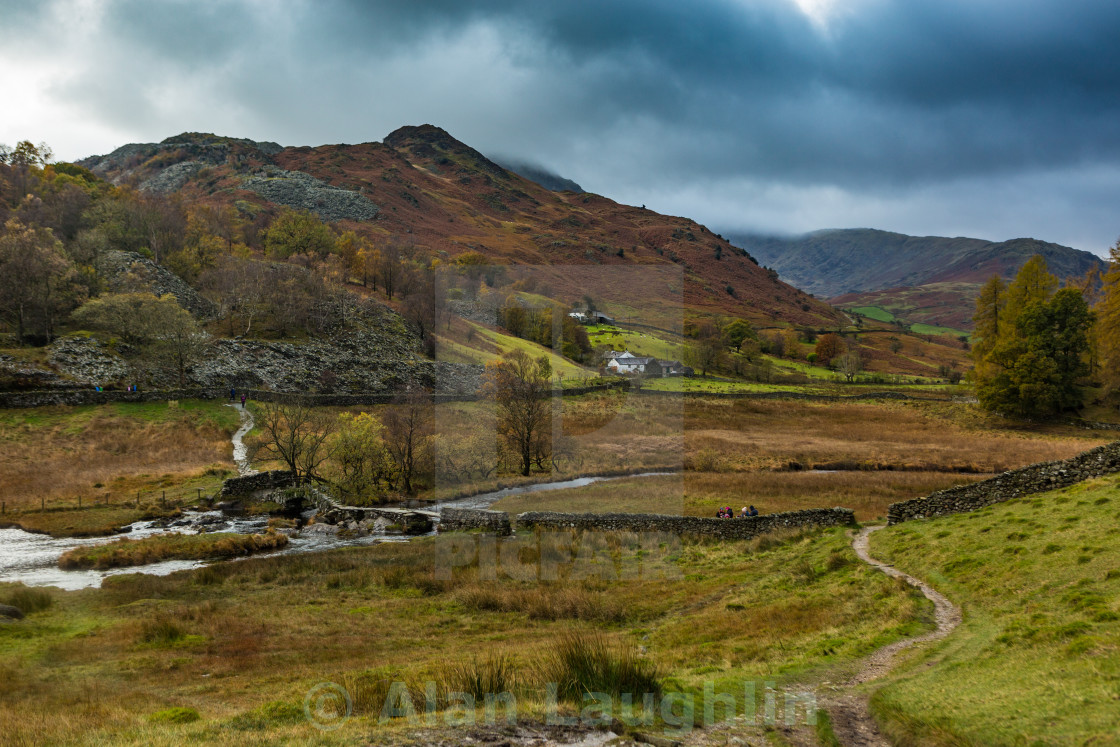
868,493
638,343
714,386
172,546
227,654
1037,658
878,313
106,455
479,345
929,329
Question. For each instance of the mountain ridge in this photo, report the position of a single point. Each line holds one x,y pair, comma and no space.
929,279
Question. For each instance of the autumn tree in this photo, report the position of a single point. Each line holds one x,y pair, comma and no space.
519,385
792,343
298,232
37,283
360,457
1108,321
1032,284
989,308
829,346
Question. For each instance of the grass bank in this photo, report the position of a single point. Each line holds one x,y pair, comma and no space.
51,456
173,546
1037,658
236,648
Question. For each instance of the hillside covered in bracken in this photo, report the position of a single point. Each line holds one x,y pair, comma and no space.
424,191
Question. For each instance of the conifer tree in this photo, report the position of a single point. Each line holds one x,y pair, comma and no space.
1108,322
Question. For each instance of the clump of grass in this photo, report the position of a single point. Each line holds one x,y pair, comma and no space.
174,716
30,600
489,675
126,552
588,663
161,630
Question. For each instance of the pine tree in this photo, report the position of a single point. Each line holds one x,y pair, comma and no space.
1032,283
1108,322
1033,344
989,308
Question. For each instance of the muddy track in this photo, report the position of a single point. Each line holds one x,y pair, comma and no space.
851,718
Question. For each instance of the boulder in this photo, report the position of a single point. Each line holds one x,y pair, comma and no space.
10,612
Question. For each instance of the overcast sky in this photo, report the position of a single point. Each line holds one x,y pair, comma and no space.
987,118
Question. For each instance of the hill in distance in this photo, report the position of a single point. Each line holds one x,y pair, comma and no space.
928,280
424,190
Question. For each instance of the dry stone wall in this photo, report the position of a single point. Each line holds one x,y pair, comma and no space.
466,519
1037,478
249,484
731,529
45,398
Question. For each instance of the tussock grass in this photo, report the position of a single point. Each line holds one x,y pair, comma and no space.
1037,653
478,677
174,546
29,600
587,662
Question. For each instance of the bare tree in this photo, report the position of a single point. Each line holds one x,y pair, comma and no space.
850,363
298,435
408,436
519,385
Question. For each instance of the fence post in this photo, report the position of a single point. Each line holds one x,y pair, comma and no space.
137,499
79,501
42,503
163,499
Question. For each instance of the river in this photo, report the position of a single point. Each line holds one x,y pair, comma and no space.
33,558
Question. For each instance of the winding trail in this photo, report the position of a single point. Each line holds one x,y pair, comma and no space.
851,718
240,454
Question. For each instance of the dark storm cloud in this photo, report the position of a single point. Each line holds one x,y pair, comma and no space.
879,101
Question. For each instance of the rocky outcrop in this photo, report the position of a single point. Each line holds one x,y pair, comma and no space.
158,166
129,272
304,192
87,360
466,519
731,529
172,178
17,375
1036,478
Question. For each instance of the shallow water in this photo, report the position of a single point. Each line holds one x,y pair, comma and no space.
33,558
